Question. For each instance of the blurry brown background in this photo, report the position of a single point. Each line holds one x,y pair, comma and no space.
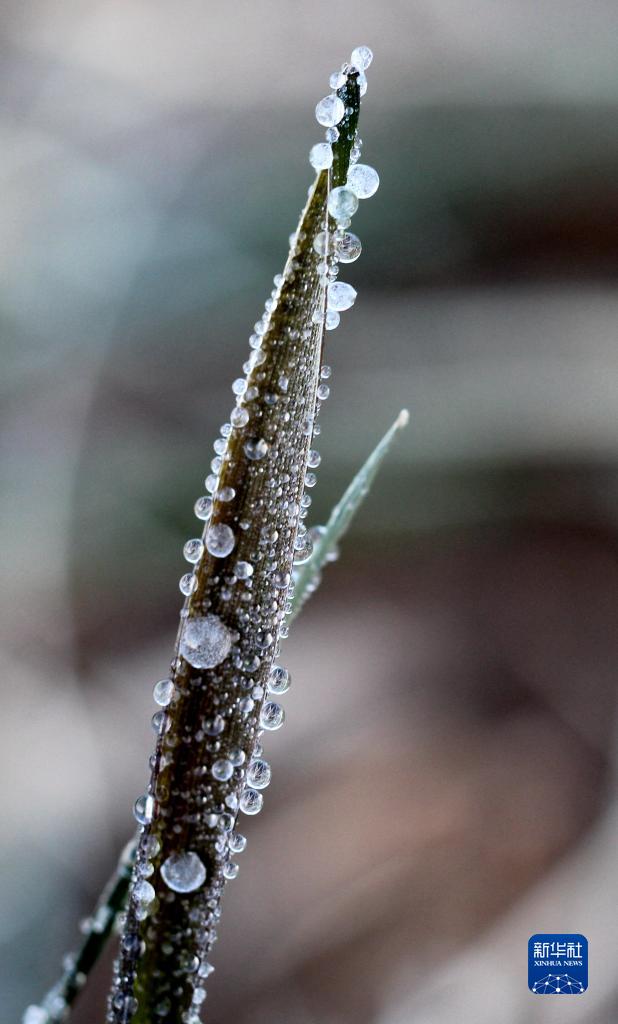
445,783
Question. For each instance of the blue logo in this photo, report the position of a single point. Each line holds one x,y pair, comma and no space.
557,964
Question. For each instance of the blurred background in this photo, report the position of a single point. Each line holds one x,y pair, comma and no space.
445,783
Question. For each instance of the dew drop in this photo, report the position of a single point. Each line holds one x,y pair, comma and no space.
226,494
321,156
251,801
35,1015
272,715
329,111
163,692
193,550
237,842
183,872
361,57
342,203
363,180
341,296
279,680
203,507
236,756
256,449
331,321
220,540
187,584
205,641
143,809
230,870
239,416
259,774
143,892
243,570
223,769
348,247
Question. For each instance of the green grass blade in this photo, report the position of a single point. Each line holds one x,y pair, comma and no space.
309,574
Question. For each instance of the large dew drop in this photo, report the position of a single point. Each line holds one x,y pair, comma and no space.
183,872
205,641
220,540
329,111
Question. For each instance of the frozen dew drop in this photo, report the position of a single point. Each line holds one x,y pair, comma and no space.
199,995
259,774
239,386
237,842
362,83
337,79
205,641
183,872
143,892
323,392
363,180
313,459
279,680
342,203
35,1015
321,156
331,134
243,570
223,769
348,247
251,801
203,507
239,416
256,449
163,692
332,320
193,550
230,870
340,296
143,809
361,57
329,111
187,584
272,715
220,540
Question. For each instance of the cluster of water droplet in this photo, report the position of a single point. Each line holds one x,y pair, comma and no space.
341,245
231,654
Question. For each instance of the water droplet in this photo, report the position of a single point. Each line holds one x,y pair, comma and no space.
272,715
348,247
239,386
187,584
321,156
363,180
340,295
203,507
226,494
193,550
143,892
243,570
230,870
251,801
313,458
237,842
183,872
342,203
35,1015
214,726
323,392
220,540
143,809
259,774
236,756
279,680
205,641
223,769
303,549
256,449
329,111
239,416
332,319
361,57
163,692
